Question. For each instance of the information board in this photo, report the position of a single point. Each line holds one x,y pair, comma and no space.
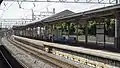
100,36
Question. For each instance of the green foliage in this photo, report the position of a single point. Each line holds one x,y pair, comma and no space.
92,28
71,28
110,27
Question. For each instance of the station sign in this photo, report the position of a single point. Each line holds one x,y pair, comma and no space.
100,34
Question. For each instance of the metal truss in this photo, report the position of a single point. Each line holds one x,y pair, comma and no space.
73,1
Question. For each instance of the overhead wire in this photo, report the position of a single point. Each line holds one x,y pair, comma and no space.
34,5
6,10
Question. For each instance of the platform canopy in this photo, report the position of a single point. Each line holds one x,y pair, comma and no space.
58,15
68,15
73,1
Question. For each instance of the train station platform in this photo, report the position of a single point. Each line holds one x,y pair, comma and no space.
94,52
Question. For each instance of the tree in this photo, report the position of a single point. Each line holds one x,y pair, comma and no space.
72,29
92,28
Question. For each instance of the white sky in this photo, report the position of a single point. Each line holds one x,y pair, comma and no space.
15,12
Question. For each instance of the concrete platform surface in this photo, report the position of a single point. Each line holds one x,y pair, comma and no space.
99,53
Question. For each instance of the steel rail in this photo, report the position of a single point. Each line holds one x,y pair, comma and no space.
24,65
6,60
46,56
105,61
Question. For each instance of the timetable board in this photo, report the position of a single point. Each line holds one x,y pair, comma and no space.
100,34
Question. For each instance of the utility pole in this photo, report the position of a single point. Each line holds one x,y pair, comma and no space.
53,10
0,25
117,1
32,15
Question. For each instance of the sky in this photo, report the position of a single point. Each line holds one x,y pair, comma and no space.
12,10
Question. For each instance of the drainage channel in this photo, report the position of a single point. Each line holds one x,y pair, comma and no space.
7,60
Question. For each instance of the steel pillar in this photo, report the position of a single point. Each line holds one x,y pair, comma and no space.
117,30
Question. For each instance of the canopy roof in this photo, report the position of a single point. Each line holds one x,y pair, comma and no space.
58,15
53,17
67,14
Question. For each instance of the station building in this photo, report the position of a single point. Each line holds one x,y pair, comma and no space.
98,27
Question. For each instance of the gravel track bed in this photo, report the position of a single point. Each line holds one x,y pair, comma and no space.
26,58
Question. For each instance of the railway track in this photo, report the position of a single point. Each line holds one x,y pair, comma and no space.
56,60
83,58
7,60
4,61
